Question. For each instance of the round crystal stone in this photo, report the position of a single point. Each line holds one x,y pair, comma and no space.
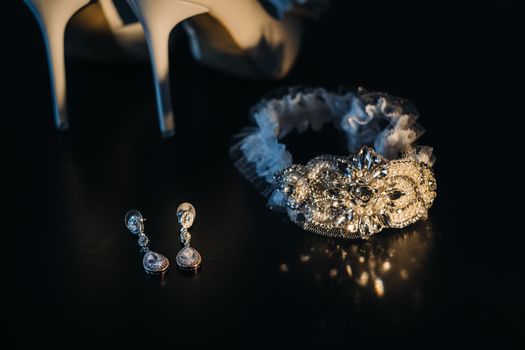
363,193
143,240
185,236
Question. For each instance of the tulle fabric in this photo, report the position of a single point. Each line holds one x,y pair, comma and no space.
376,119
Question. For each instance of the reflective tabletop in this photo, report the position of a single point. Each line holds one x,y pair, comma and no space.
74,271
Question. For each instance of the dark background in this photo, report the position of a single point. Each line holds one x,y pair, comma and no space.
73,273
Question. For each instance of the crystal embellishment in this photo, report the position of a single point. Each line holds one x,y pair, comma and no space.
134,221
134,224
359,195
143,241
186,215
155,263
188,259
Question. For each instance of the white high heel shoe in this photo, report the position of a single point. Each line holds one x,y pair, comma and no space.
238,36
52,17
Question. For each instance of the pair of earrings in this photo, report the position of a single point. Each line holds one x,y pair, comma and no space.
188,258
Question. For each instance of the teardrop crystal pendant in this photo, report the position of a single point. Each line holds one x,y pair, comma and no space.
188,258
155,263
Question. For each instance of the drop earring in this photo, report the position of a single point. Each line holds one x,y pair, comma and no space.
188,258
153,262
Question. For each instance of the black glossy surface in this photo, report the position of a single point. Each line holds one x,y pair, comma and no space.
74,273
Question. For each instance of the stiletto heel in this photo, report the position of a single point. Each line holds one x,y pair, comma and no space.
250,38
158,18
52,16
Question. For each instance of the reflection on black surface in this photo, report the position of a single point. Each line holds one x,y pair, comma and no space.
160,278
388,264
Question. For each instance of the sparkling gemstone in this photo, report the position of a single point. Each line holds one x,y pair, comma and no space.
368,225
134,221
350,215
185,236
143,240
340,219
380,172
365,227
376,224
357,163
363,193
188,258
186,219
367,158
186,214
352,227
395,194
344,168
335,193
155,263
134,224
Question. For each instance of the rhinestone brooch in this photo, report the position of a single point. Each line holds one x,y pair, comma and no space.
356,196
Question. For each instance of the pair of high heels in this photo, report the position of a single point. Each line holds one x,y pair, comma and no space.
258,39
